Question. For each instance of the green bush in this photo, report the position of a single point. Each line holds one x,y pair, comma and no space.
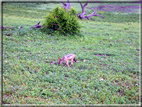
61,21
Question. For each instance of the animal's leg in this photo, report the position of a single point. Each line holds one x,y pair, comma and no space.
67,63
72,61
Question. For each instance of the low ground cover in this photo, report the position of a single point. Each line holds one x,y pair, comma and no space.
108,53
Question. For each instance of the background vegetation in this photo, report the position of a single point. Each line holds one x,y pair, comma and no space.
61,21
108,51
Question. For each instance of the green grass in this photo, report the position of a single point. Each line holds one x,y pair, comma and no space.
29,78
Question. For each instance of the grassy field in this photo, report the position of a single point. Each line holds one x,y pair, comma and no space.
107,71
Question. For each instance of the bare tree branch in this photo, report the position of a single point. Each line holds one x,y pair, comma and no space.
37,23
93,14
68,1
83,6
81,15
66,6
36,26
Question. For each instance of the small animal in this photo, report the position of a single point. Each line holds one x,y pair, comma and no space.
66,58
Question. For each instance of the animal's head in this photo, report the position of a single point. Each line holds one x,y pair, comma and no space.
59,61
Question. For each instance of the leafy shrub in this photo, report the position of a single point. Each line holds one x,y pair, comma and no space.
61,21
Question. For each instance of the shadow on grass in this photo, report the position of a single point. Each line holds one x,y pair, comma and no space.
104,54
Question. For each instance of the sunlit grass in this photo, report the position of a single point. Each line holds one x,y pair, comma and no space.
107,71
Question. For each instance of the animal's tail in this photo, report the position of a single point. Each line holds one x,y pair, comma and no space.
74,59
